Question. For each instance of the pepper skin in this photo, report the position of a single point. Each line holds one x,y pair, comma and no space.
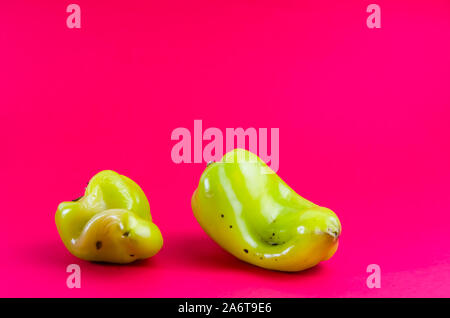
248,210
110,223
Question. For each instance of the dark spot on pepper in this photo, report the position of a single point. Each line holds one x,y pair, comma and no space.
126,234
261,258
231,226
273,234
98,245
221,215
132,255
273,244
246,250
77,199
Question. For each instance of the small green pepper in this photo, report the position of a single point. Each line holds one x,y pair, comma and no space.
254,215
110,223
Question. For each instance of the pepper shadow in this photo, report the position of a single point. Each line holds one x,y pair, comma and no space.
51,254
54,254
199,252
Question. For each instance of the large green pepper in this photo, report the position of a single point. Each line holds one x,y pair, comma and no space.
110,223
257,217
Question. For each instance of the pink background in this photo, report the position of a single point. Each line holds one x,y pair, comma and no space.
364,130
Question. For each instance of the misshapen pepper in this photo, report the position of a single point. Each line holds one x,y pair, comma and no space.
110,223
254,215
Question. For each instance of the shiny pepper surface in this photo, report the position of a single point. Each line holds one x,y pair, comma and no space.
110,223
254,215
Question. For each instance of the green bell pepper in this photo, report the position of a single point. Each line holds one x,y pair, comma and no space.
253,214
110,223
